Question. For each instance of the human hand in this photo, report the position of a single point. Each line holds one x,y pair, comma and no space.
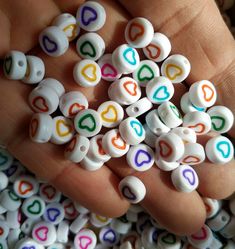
195,29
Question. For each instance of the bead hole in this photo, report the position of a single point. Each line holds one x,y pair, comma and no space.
21,63
186,132
39,73
136,109
83,148
158,129
223,218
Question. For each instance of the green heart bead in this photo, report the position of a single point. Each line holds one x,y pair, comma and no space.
89,128
222,123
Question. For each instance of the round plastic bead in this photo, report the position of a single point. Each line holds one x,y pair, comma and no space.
3,181
132,131
88,123
78,223
28,243
113,144
63,130
219,221
96,151
6,159
169,147
49,193
176,67
68,24
90,46
200,122
212,206
86,73
41,128
125,91
202,94
221,119
54,213
159,90
54,85
184,178
43,99
81,209
90,165
150,137
91,16
63,231
193,154
15,65
108,71
132,188
35,70
166,166
228,231
159,48
140,157
111,114
70,212
53,41
145,72
169,114
77,148
108,236
139,107
9,200
186,105
169,241
126,59
27,226
13,219
121,225
219,150
149,237
139,32
85,238
188,135
99,221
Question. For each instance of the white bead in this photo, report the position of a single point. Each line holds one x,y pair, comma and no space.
81,209
125,91
54,213
212,206
215,244
168,240
4,229
169,147
13,219
77,148
202,239
63,130
221,119
3,181
44,233
219,221
219,150
72,102
41,127
159,48
166,166
202,93
169,114
86,238
2,211
90,46
27,226
149,238
15,65
68,24
200,122
70,212
185,178
96,151
6,159
132,188
126,59
176,67
140,157
155,124
113,144
121,225
108,71
86,73
13,238
150,137
63,231
54,85
25,186
35,70
88,123
108,236
53,41
188,135
228,231
132,131
193,154
159,90
111,114
43,99
49,193
28,243
145,72
186,105
56,246
98,220
33,207
9,200
90,165
139,32
139,107
232,206
91,16
143,222
78,223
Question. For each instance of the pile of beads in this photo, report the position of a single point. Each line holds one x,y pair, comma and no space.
34,215
160,139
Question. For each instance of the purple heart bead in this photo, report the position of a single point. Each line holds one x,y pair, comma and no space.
138,155
29,247
88,15
49,45
109,236
52,214
126,191
190,176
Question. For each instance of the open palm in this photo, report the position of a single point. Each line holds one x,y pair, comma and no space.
195,29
